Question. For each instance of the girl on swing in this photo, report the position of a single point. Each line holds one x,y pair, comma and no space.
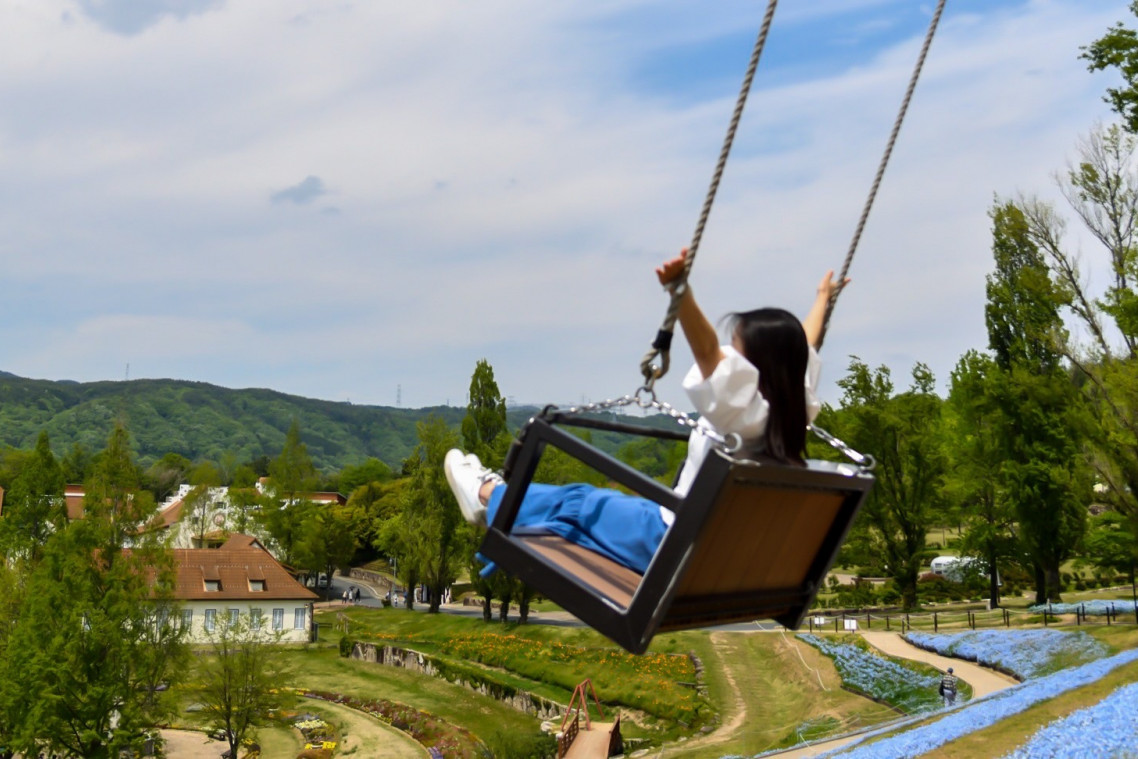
762,387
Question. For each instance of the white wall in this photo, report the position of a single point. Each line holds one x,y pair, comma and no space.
221,607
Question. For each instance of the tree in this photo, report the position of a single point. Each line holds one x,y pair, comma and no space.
94,635
903,432
287,506
239,679
430,505
1118,49
973,426
372,470
484,430
1111,544
34,505
198,503
1043,474
328,539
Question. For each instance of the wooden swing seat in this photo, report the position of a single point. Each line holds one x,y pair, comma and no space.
750,541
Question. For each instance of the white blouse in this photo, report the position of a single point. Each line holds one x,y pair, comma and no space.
728,402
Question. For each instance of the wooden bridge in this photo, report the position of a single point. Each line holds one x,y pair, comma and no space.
598,739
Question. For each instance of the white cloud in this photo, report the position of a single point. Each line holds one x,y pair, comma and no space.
501,188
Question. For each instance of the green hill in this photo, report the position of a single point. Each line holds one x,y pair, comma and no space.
202,421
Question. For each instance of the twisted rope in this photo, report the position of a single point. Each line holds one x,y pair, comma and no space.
661,346
881,167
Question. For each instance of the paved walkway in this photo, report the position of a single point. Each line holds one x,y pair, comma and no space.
982,680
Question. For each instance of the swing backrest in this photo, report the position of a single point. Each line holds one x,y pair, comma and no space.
750,541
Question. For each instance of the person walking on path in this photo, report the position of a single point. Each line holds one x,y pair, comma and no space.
948,688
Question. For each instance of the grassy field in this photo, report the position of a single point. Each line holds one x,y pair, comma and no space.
756,691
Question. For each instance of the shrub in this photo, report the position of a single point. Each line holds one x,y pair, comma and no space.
346,646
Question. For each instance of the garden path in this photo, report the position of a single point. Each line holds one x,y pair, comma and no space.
187,744
982,680
364,735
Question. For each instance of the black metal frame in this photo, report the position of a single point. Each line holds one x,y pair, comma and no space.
653,606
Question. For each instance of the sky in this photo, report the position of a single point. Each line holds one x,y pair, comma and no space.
358,201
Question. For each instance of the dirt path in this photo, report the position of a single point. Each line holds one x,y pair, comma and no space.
187,744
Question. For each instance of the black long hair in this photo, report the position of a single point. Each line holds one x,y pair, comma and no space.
773,340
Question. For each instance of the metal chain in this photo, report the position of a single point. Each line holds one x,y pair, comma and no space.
881,167
661,346
863,460
645,398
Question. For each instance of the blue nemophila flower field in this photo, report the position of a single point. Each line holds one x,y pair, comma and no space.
879,678
1105,729
1097,607
1024,653
987,711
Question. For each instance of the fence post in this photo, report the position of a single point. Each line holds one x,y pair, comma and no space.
811,625
886,621
972,620
1078,615
836,622
868,623
936,623
1007,618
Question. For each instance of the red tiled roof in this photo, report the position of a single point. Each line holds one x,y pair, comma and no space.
240,560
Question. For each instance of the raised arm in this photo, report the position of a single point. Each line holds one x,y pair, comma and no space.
815,320
701,336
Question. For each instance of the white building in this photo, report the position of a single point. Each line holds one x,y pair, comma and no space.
240,582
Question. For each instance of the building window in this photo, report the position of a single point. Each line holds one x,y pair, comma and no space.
213,585
255,619
257,586
187,618
298,618
210,619
278,619
234,617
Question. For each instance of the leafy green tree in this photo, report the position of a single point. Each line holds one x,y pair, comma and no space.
974,422
902,430
329,539
1044,474
76,464
239,680
372,470
34,505
93,637
434,511
198,503
166,474
1111,544
484,430
287,505
1118,50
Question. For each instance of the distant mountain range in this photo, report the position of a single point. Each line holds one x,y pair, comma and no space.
202,421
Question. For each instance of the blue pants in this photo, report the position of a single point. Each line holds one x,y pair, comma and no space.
625,528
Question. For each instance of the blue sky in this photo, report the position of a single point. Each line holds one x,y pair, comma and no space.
359,200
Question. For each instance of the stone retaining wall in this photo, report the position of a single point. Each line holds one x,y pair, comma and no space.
393,656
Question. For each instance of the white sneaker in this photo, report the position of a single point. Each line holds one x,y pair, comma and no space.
466,475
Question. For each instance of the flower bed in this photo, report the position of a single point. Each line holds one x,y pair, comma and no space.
1095,608
1105,729
981,713
429,730
879,678
1021,653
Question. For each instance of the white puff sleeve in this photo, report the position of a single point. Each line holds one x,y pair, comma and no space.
729,399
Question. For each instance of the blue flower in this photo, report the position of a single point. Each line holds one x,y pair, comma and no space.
1105,729
880,678
1024,653
987,711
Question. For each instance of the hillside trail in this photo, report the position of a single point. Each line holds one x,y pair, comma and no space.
983,681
